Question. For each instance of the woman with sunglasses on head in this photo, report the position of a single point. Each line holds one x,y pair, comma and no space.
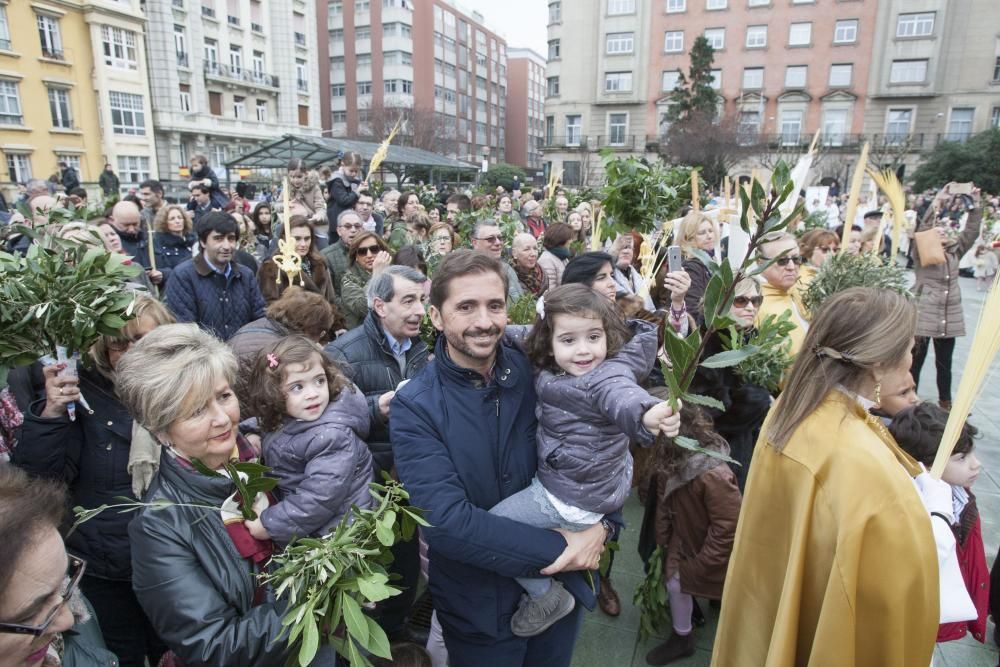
697,232
369,254
781,251
92,450
44,619
746,404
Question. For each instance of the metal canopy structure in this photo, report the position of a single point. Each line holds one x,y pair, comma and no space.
317,151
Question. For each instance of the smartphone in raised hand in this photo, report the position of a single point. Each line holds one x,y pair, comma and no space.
675,261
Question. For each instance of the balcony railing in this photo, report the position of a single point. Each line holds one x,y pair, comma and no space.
622,141
182,60
11,119
256,27
208,11
179,4
300,39
749,139
53,54
302,85
5,44
240,75
233,21
570,141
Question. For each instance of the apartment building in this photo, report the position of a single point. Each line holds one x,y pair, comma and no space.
79,57
936,73
783,69
430,60
525,108
597,82
227,76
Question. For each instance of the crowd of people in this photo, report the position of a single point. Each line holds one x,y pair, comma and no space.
393,350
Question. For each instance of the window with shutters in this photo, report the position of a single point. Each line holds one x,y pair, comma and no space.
215,103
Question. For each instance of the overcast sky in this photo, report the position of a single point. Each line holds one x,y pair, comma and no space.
521,22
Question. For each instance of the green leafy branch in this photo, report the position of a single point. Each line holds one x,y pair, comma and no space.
686,354
523,310
329,581
125,506
651,597
844,270
767,366
248,477
62,293
639,193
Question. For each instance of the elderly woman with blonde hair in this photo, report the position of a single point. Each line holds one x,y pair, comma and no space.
93,451
195,565
695,232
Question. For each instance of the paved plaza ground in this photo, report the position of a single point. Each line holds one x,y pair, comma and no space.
614,642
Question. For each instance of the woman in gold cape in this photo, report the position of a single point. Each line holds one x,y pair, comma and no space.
834,561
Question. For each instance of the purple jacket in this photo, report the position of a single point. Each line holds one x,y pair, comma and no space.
322,466
585,424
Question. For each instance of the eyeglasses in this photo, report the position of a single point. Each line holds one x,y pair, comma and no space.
441,238
368,250
349,226
77,566
783,261
490,239
742,301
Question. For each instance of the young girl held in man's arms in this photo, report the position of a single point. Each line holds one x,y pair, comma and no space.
315,421
590,406
918,431
691,512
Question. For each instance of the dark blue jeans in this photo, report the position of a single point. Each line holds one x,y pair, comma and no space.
552,648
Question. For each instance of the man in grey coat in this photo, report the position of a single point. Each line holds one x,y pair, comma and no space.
348,226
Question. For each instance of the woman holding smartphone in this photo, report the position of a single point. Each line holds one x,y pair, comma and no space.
939,296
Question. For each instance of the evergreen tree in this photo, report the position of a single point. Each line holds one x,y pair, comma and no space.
696,135
693,98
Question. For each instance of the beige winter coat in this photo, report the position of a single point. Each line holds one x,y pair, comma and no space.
939,297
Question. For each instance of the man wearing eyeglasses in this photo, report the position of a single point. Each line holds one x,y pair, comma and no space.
371,221
39,594
349,224
486,237
781,254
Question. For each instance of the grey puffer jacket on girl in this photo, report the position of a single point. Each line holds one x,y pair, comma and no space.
585,425
323,467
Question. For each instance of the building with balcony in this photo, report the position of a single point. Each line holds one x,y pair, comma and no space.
428,60
79,57
525,108
597,78
936,75
227,76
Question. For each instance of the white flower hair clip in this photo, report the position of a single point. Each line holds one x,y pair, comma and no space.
540,307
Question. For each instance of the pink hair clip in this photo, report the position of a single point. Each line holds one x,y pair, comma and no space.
272,361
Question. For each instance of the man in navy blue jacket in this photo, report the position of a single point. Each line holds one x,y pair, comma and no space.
212,290
463,437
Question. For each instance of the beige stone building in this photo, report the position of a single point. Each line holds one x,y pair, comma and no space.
597,83
900,74
935,73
